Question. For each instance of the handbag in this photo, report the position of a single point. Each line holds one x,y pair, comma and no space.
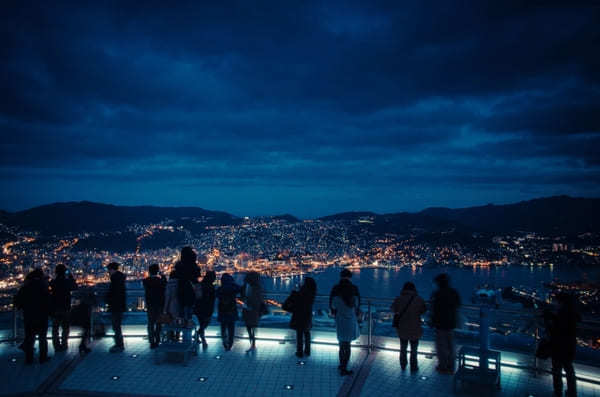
544,349
398,316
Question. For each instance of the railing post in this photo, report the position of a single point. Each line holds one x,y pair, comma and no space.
484,337
14,325
535,359
370,336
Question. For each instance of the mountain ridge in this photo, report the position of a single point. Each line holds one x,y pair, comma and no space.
555,214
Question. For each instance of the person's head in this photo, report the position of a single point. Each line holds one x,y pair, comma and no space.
188,256
309,286
60,270
112,267
409,286
210,277
36,273
565,299
226,279
153,269
345,273
442,280
252,278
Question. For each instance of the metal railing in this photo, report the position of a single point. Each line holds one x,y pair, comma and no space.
526,324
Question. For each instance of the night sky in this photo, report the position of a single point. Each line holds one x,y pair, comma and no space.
308,108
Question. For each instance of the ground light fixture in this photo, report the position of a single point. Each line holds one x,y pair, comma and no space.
202,379
114,377
301,362
288,387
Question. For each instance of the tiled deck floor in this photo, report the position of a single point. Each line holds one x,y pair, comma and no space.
236,373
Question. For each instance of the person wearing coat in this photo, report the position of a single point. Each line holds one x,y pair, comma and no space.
252,296
34,299
445,302
408,309
205,305
562,329
344,305
117,304
154,291
60,298
227,309
300,304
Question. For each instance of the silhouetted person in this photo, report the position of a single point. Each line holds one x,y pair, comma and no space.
117,304
34,299
345,274
252,296
187,274
344,305
227,309
60,301
407,309
562,329
205,304
154,288
445,302
82,315
300,304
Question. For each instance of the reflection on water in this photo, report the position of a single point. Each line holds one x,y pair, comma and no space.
381,282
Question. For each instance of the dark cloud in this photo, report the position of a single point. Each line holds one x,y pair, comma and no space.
285,95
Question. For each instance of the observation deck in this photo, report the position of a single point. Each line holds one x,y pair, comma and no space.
274,370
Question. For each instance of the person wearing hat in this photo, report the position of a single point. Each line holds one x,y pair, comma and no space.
117,305
445,302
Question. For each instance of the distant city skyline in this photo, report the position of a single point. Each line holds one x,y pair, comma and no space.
310,108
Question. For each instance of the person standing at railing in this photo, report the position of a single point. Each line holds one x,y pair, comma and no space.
60,298
445,302
562,329
34,299
227,309
154,288
408,309
252,296
205,304
344,304
300,304
188,272
117,304
345,278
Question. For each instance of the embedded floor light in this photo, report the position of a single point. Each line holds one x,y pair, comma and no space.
217,357
134,356
115,377
13,360
288,387
202,379
424,377
301,362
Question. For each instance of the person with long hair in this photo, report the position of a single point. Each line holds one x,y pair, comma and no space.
300,304
252,296
408,309
344,305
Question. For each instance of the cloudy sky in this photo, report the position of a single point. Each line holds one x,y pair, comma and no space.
303,107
